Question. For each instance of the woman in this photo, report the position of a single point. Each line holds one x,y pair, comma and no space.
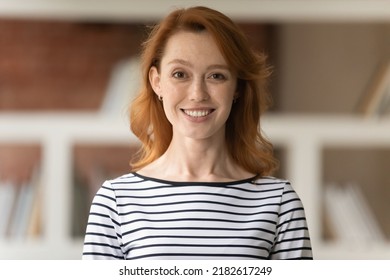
200,188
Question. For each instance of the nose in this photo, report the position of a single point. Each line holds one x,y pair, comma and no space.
198,91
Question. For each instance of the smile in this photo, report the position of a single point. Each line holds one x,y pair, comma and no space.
197,113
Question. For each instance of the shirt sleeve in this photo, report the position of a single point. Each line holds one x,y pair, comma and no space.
103,237
292,239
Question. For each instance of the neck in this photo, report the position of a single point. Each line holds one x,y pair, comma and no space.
196,160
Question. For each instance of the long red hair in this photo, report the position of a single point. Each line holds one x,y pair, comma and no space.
244,138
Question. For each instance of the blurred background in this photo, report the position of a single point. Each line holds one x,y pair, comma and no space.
68,70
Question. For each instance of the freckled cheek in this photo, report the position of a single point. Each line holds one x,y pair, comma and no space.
175,99
172,89
171,107
224,96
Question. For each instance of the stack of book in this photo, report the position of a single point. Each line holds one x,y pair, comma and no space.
20,209
350,216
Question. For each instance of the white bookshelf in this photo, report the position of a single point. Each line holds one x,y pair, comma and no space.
304,137
301,136
56,133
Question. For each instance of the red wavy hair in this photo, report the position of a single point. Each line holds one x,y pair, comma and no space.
244,138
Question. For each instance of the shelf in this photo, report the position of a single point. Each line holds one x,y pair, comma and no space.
304,139
95,128
91,127
56,134
41,250
340,251
245,10
327,129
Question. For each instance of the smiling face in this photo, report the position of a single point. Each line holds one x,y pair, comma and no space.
196,85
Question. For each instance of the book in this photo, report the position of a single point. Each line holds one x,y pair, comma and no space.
8,194
33,227
19,216
376,101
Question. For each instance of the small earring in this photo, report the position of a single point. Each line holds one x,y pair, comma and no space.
160,98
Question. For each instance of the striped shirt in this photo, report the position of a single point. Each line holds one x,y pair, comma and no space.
137,217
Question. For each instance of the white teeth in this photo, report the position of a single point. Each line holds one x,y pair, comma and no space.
197,113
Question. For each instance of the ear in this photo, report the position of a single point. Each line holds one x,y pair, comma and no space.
154,80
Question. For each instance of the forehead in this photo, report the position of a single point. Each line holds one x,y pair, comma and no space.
195,47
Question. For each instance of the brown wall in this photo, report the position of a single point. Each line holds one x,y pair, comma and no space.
60,65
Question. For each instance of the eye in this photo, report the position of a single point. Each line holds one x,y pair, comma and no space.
218,76
179,75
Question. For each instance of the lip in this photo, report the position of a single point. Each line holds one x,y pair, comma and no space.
197,114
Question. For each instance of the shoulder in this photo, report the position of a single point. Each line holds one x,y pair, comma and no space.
129,178
269,180
110,186
283,187
132,181
272,183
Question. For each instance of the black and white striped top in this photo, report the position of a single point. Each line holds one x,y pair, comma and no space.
137,217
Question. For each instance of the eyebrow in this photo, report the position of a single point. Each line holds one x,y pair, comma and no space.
188,64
